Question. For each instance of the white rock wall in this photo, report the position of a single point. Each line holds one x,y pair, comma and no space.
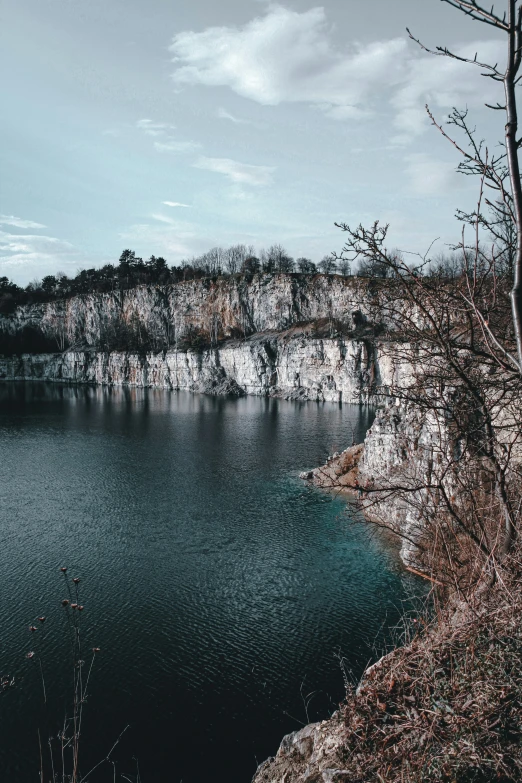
336,370
232,305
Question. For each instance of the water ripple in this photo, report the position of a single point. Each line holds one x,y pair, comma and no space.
214,582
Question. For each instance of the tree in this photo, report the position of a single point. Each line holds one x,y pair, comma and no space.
127,258
456,346
49,284
235,257
328,265
279,260
344,267
251,265
306,266
501,172
372,267
10,295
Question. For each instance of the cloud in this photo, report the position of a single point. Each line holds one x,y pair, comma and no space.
167,143
175,204
151,128
20,248
165,219
173,239
32,255
284,56
223,114
26,256
242,173
171,145
11,220
431,177
287,56
443,82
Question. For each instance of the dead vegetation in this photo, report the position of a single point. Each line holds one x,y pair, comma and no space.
447,706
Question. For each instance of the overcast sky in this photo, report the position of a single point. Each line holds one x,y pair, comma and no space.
169,127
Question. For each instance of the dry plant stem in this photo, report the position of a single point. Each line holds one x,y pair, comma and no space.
51,759
70,734
41,758
107,757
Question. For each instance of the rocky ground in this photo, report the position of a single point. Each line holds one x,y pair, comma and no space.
341,471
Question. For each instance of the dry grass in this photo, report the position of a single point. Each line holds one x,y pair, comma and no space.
447,706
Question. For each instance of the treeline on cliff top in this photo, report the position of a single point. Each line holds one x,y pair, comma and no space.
132,271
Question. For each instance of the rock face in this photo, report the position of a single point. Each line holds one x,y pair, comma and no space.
341,471
298,336
337,370
398,449
310,755
225,308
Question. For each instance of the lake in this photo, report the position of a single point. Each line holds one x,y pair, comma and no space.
219,588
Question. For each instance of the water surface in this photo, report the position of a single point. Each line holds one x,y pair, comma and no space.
220,589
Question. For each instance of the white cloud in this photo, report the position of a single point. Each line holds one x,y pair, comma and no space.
242,173
223,114
31,255
151,128
173,240
283,55
11,220
171,145
175,204
165,219
287,56
166,143
442,83
431,177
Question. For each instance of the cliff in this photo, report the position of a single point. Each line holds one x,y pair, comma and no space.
287,365
398,450
216,308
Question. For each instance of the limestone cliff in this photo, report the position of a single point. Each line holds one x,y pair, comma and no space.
220,309
290,366
398,449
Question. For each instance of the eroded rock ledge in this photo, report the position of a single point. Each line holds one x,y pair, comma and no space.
310,755
340,471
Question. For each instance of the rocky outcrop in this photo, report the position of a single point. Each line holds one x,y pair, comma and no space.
222,308
295,367
311,755
398,450
341,471
317,753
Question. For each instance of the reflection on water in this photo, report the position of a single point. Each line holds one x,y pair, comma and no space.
216,584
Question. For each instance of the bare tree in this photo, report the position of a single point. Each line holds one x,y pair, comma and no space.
500,173
456,350
344,267
306,266
328,265
235,256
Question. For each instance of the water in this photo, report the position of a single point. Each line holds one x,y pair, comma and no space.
219,588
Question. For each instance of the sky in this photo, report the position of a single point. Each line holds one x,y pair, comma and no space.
170,127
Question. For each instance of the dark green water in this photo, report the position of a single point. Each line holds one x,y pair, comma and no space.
219,588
